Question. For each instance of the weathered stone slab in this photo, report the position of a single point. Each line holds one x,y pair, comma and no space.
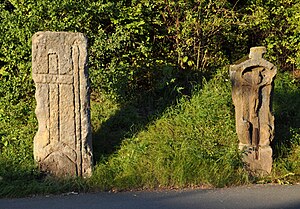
62,145
252,86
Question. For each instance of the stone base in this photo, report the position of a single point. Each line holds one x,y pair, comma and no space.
258,161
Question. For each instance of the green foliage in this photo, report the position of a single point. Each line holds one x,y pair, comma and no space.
275,24
145,60
148,44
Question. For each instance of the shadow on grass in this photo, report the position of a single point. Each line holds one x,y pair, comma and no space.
143,104
287,116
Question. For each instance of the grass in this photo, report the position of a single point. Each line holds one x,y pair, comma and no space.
20,179
146,143
192,143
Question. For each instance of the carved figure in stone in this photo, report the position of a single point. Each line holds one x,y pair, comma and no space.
62,144
252,84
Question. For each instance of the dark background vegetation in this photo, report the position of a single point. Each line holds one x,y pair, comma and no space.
162,114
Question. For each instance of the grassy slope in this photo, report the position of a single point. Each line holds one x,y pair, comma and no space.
191,143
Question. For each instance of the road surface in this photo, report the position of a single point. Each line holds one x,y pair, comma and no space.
258,197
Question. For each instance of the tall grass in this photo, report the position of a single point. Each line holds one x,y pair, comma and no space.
192,143
286,144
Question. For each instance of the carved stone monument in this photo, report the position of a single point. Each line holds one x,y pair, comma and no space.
252,86
62,145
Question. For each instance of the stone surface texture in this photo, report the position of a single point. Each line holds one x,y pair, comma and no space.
62,145
252,87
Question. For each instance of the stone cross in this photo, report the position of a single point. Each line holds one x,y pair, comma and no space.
252,86
62,145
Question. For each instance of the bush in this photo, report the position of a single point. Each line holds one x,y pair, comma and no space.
275,24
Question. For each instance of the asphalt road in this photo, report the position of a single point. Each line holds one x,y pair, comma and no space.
258,197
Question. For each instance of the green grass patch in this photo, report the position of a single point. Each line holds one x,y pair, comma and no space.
286,145
190,142
19,179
